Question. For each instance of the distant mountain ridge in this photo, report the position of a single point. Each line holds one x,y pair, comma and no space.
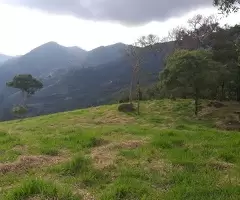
74,78
4,58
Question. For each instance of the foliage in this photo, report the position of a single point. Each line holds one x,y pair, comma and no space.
19,110
28,86
225,45
190,72
227,6
26,83
195,34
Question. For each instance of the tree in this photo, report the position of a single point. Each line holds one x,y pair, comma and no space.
195,35
225,45
27,84
191,71
137,53
227,6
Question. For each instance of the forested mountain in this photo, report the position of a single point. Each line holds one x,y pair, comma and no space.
74,78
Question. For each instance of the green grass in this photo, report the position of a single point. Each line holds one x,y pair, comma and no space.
98,153
42,189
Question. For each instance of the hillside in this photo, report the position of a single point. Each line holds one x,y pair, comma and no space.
72,78
99,153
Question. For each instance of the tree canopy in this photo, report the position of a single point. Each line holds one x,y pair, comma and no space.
26,83
190,72
227,6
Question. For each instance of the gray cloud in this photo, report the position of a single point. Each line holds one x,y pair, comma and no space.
128,12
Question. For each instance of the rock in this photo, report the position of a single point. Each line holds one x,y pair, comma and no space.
126,107
216,104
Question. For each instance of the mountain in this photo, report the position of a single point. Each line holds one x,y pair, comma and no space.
42,62
4,58
97,78
105,54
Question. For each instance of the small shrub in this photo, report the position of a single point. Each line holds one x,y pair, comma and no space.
50,152
228,157
94,142
75,166
19,111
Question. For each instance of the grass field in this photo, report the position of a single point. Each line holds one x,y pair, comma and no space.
98,153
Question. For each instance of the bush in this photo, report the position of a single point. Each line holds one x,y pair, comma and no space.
19,110
126,107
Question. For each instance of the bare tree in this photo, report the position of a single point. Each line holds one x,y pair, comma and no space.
136,53
195,35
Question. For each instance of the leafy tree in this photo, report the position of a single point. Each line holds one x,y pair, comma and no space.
190,71
227,6
27,84
225,45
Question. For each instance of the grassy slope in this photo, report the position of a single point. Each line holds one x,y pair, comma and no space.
98,153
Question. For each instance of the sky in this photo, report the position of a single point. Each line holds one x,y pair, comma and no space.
26,24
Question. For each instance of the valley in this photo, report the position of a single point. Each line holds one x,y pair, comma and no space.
74,78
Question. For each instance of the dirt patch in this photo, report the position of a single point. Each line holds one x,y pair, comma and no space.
230,123
85,194
26,162
105,156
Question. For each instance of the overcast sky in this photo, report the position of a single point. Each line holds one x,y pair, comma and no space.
26,24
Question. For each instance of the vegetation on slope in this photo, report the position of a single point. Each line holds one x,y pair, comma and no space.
99,153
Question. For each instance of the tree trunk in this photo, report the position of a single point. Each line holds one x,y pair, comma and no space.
131,88
222,92
238,81
196,101
23,98
138,96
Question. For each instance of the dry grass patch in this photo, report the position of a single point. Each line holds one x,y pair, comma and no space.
20,148
112,117
220,165
105,156
26,162
35,198
159,165
85,194
229,179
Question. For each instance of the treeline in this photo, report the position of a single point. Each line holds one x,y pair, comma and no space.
205,63
209,65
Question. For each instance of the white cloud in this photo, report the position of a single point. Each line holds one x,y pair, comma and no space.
23,29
